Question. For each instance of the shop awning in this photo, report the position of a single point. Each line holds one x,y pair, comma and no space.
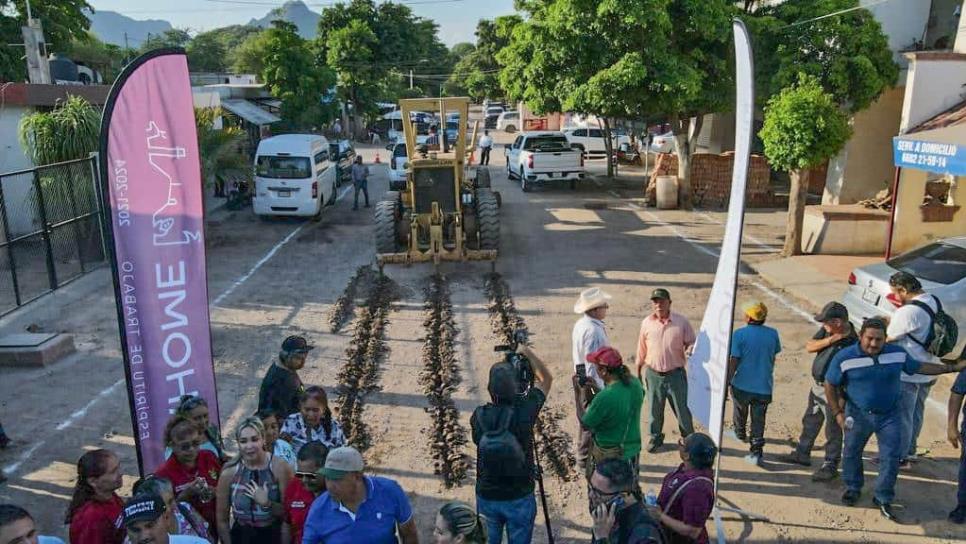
249,112
938,145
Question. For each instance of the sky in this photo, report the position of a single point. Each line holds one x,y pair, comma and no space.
456,18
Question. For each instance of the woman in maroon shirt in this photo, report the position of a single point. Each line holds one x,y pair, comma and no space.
687,494
94,514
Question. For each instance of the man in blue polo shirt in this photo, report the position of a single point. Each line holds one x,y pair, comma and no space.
358,508
870,374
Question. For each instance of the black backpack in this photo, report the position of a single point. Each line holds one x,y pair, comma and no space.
943,331
499,453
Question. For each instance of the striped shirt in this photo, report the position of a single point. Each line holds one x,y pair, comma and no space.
871,382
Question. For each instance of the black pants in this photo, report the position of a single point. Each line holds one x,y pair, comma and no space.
485,155
746,402
244,534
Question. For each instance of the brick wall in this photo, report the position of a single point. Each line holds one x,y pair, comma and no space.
711,180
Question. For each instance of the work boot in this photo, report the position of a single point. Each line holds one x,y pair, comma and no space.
796,458
741,434
850,497
655,445
958,516
826,473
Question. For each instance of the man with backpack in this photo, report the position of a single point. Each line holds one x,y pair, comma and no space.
503,434
921,328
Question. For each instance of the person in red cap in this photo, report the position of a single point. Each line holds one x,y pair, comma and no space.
614,416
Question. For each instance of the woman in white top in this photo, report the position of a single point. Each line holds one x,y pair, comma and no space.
281,449
313,422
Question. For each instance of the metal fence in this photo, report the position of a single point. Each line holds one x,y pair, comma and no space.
51,229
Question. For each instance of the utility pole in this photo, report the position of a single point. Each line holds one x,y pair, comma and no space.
38,67
410,79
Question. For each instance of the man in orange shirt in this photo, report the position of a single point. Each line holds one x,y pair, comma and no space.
665,342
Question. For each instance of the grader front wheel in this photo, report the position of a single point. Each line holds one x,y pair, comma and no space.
387,215
488,215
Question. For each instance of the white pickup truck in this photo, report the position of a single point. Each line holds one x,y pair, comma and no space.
539,157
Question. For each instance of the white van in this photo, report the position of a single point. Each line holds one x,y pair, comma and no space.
293,175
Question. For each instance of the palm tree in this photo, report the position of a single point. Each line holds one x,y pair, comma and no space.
219,149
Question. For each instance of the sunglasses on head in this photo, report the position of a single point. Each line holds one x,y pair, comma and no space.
190,403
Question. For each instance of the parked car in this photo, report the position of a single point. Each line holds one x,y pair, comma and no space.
491,116
508,121
662,143
343,154
397,166
591,141
293,175
540,157
941,268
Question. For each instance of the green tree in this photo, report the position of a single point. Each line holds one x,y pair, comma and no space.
69,131
848,53
63,21
249,56
106,58
803,128
219,149
617,59
462,49
174,37
293,78
351,53
477,72
214,50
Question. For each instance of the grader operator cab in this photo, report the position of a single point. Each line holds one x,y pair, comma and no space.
447,211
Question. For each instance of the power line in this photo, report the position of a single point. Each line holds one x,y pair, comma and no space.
326,4
834,13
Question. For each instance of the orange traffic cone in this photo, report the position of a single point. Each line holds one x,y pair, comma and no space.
377,161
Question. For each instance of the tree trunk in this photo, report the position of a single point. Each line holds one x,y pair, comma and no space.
684,146
797,197
608,148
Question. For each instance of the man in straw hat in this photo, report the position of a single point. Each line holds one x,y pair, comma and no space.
589,335
665,341
751,375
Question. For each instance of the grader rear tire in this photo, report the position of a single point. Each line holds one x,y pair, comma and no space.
387,215
488,214
482,177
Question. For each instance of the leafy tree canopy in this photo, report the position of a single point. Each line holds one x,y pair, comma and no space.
292,76
63,21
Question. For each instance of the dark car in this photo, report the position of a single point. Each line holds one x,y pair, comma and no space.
343,154
491,120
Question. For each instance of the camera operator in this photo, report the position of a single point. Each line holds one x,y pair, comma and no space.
503,434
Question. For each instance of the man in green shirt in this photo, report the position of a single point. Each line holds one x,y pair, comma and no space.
614,416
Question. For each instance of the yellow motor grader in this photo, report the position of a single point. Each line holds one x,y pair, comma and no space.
447,211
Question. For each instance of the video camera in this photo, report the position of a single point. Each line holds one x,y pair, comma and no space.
520,363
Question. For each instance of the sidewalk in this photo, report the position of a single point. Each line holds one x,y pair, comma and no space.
813,279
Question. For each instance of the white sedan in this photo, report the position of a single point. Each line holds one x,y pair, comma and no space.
941,268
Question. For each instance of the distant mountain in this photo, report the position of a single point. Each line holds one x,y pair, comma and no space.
293,11
110,27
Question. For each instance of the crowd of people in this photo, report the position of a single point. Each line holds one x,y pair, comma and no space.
294,478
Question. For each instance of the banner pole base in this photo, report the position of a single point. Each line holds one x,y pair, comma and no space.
719,523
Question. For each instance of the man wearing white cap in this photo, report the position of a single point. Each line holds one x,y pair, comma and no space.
589,335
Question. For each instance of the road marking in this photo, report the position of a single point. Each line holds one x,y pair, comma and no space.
258,265
74,417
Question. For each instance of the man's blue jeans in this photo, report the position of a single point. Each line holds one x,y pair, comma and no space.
888,431
961,493
912,402
516,517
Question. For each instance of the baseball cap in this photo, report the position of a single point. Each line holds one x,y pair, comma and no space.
296,344
606,357
660,294
342,461
145,507
832,310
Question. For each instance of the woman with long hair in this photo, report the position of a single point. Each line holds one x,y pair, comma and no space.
313,422
186,520
614,416
95,509
250,490
458,523
191,470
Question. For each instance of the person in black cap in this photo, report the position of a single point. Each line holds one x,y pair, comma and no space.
146,520
687,492
836,333
281,388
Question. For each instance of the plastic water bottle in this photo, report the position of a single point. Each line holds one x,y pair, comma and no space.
849,422
650,498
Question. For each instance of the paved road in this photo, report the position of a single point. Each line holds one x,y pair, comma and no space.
553,245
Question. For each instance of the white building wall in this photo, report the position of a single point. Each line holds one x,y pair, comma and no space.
903,22
932,87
